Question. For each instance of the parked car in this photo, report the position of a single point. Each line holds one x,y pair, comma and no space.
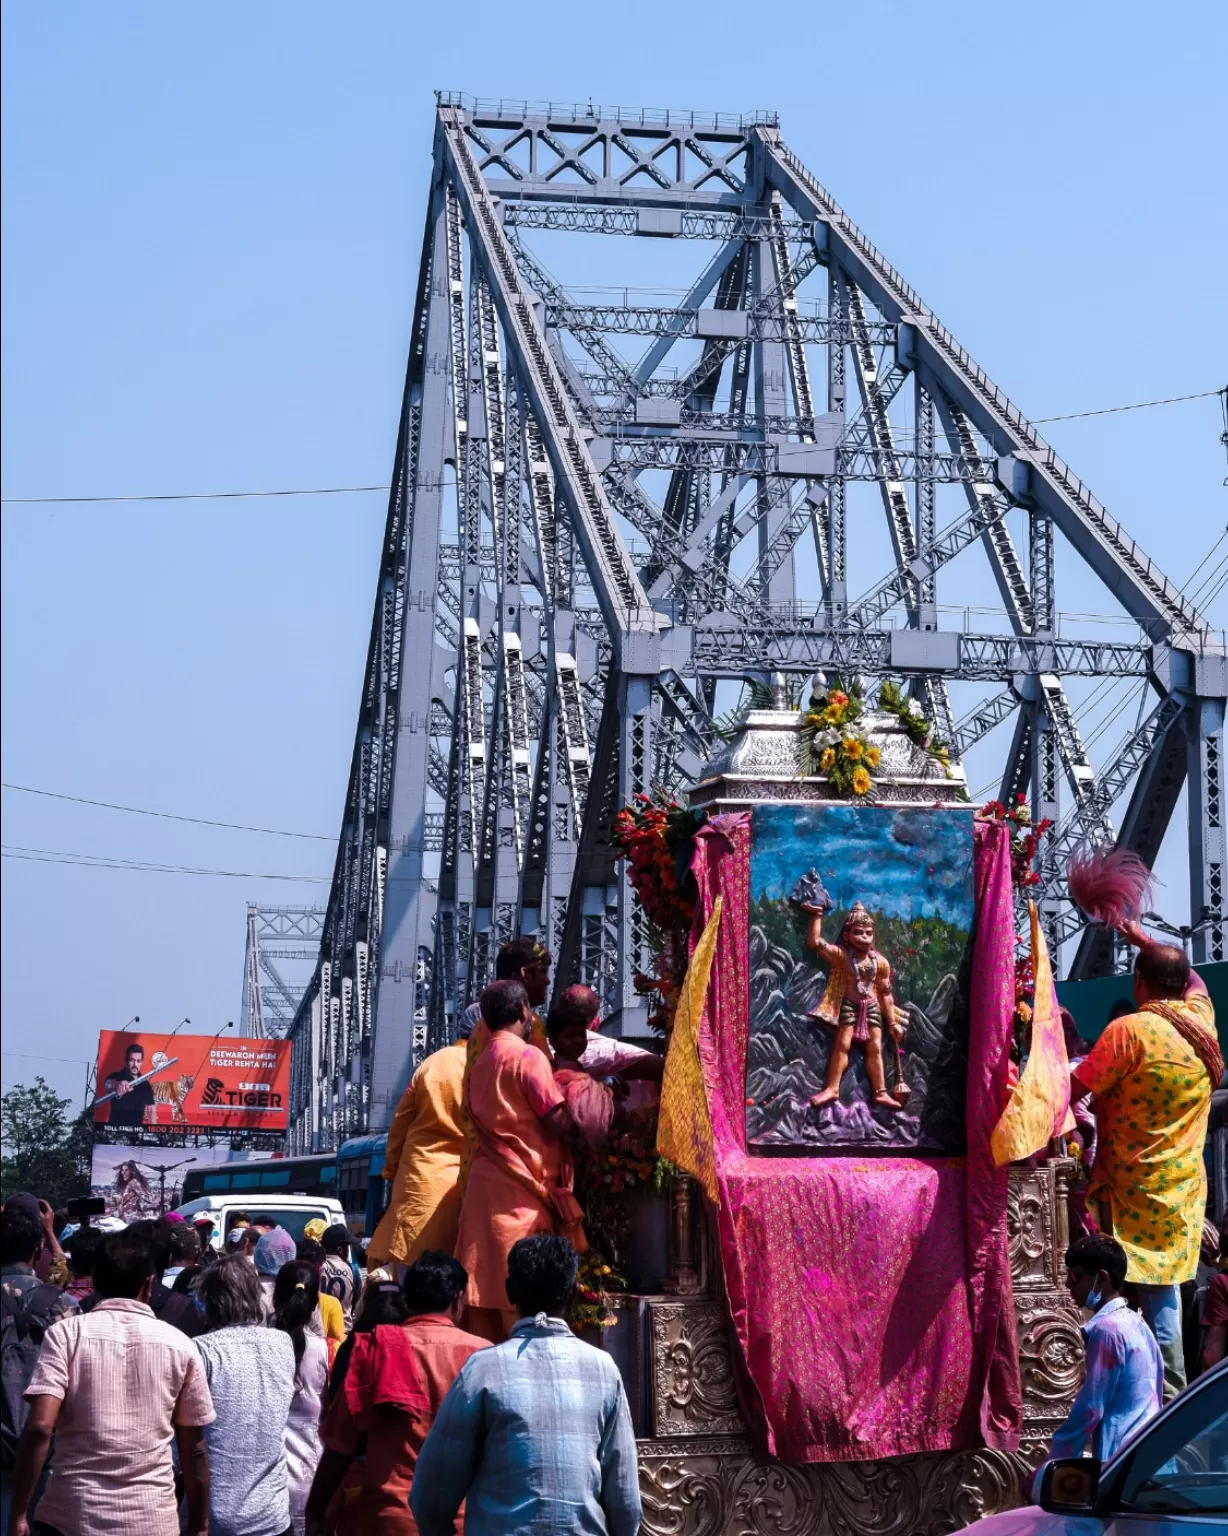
1171,1479
292,1212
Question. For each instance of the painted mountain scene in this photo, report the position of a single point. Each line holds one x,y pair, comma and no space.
860,930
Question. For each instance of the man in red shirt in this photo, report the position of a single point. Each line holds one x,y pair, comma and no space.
398,1375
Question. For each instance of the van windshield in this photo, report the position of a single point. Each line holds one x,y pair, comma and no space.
293,1221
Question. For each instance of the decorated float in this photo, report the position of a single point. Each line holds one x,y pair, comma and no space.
832,1282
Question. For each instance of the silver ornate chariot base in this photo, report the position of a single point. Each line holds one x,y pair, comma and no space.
698,1475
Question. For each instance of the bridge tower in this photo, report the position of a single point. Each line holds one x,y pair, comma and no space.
587,551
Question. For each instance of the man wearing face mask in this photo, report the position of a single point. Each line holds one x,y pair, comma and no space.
1124,1385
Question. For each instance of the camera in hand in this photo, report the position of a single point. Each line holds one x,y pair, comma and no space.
85,1206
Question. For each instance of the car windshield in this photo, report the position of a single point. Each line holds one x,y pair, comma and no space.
1181,1466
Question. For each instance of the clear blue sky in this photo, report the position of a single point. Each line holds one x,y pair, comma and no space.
212,220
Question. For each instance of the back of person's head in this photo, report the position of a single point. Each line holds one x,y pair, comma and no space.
123,1264
229,1291
264,1221
382,1301
503,1003
1089,1255
541,1274
1121,1008
567,1031
310,1250
82,1248
583,999
296,1295
1164,970
274,1249
519,954
21,1235
158,1235
337,1239
184,1245
433,1282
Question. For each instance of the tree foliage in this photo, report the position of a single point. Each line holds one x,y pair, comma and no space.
44,1152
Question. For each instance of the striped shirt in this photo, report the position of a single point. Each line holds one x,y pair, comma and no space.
535,1435
125,1380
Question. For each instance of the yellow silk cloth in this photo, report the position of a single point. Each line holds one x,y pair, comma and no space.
684,1129
1152,1099
1039,1106
423,1159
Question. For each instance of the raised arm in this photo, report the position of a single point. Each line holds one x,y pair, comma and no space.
814,935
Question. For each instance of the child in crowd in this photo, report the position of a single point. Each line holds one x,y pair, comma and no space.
601,1055
590,1100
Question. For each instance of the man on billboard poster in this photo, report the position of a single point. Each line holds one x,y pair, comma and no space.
131,1099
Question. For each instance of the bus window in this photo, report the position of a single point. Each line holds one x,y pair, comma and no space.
277,1177
217,1181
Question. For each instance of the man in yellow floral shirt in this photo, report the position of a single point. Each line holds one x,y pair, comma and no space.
1152,1073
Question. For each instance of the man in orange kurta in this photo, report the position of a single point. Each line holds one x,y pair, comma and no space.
425,1142
520,1121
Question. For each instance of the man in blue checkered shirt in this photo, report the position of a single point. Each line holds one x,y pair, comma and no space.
534,1434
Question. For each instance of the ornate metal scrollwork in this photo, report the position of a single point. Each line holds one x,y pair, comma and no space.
693,1386
719,1489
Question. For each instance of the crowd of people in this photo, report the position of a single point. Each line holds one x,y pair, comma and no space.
168,1378
171,1378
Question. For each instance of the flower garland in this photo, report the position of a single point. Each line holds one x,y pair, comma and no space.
1025,838
831,745
893,701
655,834
592,1306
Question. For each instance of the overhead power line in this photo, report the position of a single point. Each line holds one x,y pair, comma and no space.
319,490
1139,405
355,490
137,810
140,866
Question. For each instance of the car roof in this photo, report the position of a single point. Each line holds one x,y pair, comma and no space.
257,1199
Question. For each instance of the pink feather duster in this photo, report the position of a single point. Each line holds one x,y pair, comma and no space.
1112,885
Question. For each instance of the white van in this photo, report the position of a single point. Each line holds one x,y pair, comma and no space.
292,1212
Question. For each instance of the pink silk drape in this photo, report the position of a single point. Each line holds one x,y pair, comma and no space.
870,1297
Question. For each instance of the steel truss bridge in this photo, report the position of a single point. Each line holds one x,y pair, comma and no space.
580,547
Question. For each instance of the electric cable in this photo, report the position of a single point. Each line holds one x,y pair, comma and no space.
140,866
355,490
137,810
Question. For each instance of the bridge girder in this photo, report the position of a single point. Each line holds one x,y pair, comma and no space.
550,630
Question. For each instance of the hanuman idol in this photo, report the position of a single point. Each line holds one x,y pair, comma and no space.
857,1004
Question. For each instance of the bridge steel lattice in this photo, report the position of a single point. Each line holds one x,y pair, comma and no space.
271,993
580,547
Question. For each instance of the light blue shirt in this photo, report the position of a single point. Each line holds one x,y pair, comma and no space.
534,1435
1123,1388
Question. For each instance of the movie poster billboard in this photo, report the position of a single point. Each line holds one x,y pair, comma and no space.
139,1182
172,1082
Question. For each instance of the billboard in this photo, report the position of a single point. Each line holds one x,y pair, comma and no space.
137,1182
171,1082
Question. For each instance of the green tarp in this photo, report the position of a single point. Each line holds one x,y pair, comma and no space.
1090,1001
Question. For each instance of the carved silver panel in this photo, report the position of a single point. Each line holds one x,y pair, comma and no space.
693,1390
715,1488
